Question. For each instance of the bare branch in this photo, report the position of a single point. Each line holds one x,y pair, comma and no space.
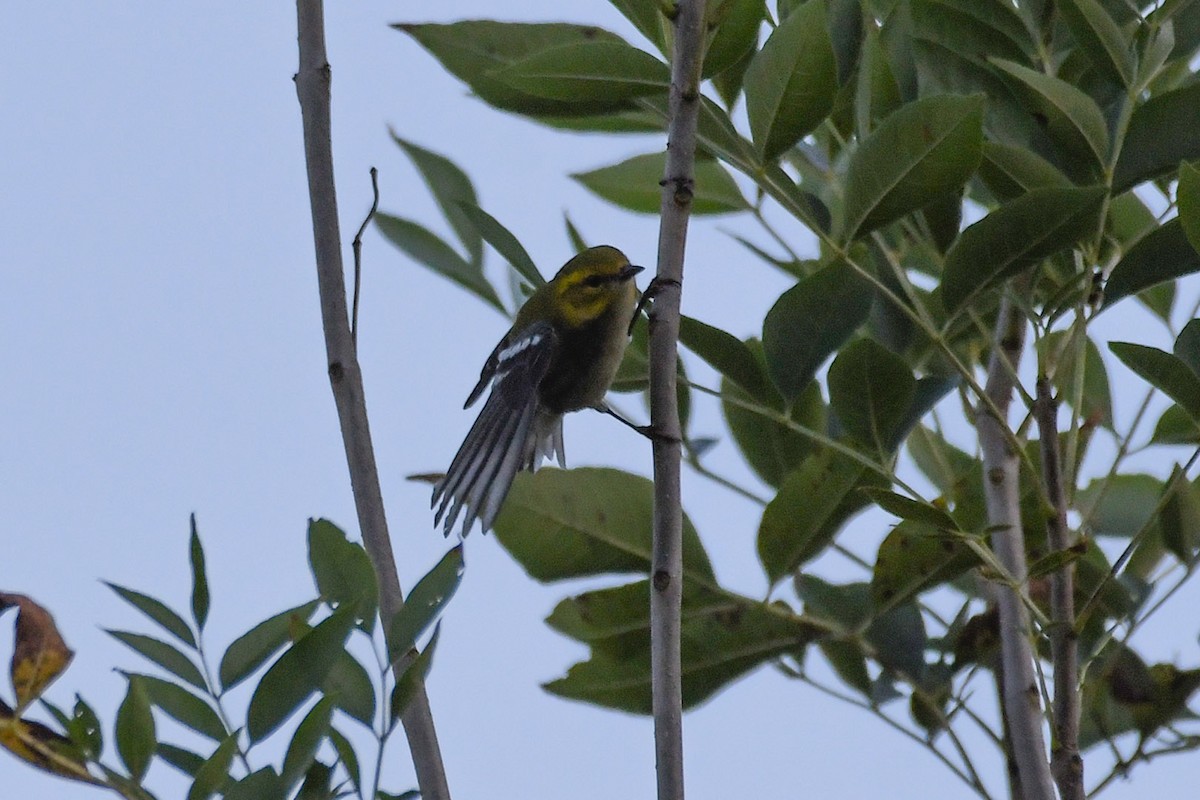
1065,761
356,246
1001,466
666,569
345,375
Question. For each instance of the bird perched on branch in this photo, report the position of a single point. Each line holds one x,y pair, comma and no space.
560,355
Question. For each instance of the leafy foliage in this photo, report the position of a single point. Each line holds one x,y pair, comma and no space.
945,154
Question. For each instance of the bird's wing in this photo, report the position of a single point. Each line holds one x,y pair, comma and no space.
497,446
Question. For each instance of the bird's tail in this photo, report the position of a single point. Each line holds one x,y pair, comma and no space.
502,442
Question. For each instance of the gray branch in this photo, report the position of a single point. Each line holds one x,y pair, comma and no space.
1065,761
666,567
1001,468
345,375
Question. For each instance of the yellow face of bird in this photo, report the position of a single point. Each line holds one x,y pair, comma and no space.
592,282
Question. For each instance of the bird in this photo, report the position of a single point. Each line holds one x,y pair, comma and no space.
560,355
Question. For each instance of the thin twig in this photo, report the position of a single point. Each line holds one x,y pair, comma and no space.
666,563
972,780
345,376
1065,761
1001,468
356,246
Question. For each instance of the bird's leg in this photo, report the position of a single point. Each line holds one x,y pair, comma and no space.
645,430
653,288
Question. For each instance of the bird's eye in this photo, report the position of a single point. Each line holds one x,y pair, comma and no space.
595,281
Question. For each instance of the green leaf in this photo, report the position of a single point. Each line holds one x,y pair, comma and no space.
915,510
503,241
183,706
183,760
1010,171
135,730
1187,345
1180,519
214,773
428,250
636,184
424,603
1166,372
939,461
913,558
727,354
162,654
298,673
351,688
614,617
1097,395
252,649
199,579
1162,132
1188,197
719,643
341,568
588,72
347,757
648,17
261,785
450,187
926,149
770,446
812,504
157,611
1096,32
475,50
316,783
877,94
811,321
737,23
926,394
562,524
1017,235
303,748
1162,255
870,390
1176,426
1122,508
791,82
413,677
1072,119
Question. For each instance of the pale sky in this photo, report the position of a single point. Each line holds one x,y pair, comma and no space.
164,356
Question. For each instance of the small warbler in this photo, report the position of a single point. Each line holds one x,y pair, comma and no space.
560,355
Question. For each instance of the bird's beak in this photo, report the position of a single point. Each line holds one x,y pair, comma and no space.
628,271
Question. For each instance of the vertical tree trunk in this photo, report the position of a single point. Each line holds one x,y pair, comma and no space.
345,376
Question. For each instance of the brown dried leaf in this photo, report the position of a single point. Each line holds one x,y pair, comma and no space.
40,655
